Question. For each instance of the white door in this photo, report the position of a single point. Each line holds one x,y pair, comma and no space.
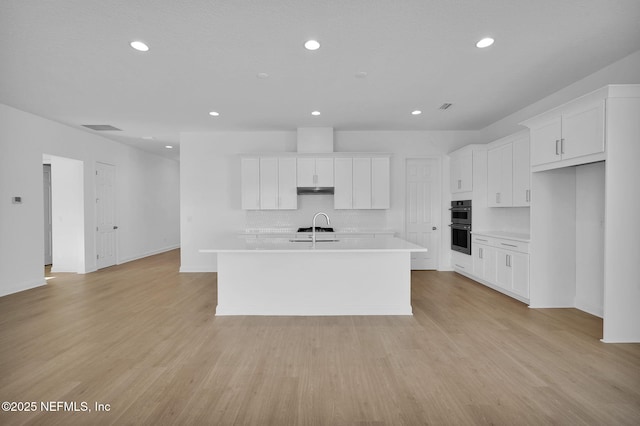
48,246
422,207
105,215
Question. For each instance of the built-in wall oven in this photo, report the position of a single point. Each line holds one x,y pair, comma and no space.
461,226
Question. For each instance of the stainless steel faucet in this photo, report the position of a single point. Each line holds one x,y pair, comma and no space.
313,226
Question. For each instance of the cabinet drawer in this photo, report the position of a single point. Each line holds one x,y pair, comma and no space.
519,246
481,239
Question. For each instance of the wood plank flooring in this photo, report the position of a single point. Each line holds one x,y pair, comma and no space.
144,339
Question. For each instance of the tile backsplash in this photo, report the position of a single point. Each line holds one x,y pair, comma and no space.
308,206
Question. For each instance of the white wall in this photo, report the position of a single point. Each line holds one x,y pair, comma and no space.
147,201
210,183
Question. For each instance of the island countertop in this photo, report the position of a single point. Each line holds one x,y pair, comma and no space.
235,244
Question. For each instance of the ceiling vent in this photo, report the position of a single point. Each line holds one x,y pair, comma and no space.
101,127
445,106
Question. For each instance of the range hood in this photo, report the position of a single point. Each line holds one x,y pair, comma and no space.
315,140
315,190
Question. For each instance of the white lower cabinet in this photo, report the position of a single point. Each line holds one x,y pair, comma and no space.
502,264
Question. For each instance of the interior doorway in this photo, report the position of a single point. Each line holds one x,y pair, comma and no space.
66,214
422,210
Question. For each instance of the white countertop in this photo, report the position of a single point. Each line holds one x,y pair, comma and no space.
515,236
235,244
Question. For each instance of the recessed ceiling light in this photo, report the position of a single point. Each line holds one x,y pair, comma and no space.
169,146
262,75
485,42
416,112
361,74
148,138
312,45
214,113
140,46
315,113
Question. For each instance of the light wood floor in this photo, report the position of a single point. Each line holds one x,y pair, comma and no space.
144,339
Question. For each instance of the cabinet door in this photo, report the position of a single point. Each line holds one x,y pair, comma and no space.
250,174
494,176
324,172
466,173
287,191
520,284
477,251
506,178
306,171
521,173
583,132
268,183
380,177
504,272
545,143
455,178
362,183
343,192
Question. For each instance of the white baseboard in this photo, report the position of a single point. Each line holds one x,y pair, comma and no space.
147,254
207,268
27,285
597,311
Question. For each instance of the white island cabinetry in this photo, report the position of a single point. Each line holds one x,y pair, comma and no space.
368,276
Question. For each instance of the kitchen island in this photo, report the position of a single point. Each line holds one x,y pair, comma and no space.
352,276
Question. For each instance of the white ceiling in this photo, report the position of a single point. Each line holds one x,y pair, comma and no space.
70,61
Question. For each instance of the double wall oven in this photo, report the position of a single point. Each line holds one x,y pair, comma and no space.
461,226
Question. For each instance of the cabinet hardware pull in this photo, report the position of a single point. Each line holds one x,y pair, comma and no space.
508,260
459,183
562,146
528,195
480,239
480,253
557,147
508,245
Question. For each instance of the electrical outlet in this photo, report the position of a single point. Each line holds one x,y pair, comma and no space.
16,200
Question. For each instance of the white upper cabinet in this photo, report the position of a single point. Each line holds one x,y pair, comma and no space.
508,172
380,183
315,172
461,171
287,187
521,173
362,183
500,176
268,183
583,131
343,191
250,186
569,135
